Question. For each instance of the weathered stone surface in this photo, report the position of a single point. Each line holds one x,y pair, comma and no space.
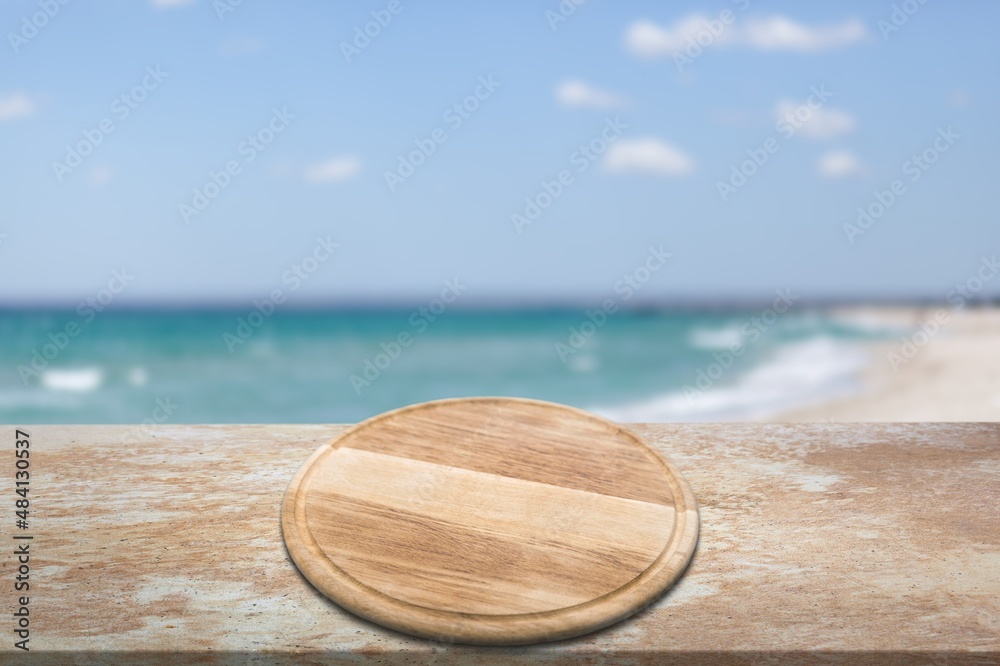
866,542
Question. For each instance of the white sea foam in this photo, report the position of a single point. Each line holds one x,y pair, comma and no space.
715,338
796,374
138,376
583,363
36,398
79,379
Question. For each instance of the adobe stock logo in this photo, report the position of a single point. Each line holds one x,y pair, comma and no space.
561,14
899,17
627,286
581,158
295,277
915,168
122,107
363,35
455,116
30,25
419,321
86,312
930,327
217,182
791,122
751,331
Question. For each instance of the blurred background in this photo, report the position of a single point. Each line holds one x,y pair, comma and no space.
228,212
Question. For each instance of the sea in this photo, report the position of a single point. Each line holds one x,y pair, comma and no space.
345,365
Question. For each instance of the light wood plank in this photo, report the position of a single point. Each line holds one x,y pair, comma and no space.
490,521
500,545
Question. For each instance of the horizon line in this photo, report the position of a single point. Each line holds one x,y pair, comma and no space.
494,305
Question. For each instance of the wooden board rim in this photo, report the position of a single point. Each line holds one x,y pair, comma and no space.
520,629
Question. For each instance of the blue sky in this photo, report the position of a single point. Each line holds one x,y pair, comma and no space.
552,87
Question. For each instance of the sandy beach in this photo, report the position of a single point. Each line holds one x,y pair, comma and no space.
943,366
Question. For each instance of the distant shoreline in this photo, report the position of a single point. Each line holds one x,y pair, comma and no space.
950,374
489,307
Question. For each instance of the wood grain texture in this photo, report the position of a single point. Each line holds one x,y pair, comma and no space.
833,543
490,521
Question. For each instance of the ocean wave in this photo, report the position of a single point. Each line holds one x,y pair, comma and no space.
79,379
715,338
36,399
138,376
796,374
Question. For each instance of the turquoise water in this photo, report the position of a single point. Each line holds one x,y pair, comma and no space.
180,367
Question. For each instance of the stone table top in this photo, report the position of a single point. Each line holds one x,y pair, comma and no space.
842,542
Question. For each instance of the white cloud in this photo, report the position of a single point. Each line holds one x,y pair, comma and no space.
332,171
647,154
580,93
840,164
781,33
815,122
168,4
15,105
646,39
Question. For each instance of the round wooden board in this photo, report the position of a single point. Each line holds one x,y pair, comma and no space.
492,521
